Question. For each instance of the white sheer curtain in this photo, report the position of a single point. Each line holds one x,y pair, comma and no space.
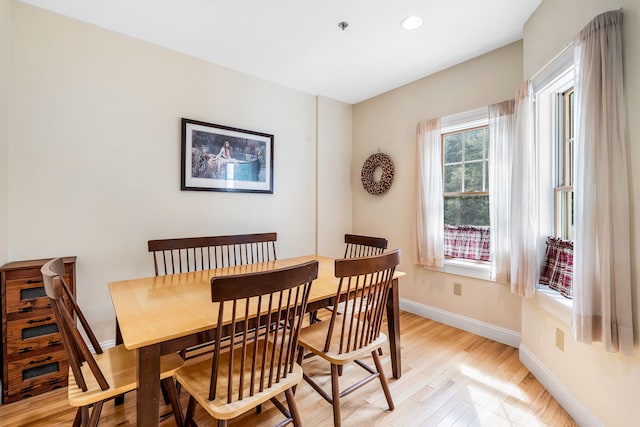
501,133
602,295
524,224
429,250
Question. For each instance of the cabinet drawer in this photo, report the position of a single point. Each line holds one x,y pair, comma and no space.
24,374
31,331
37,345
23,296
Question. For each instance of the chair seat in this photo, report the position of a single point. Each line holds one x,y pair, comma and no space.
196,379
119,368
313,338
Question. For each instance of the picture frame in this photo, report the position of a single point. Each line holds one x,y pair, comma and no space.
223,158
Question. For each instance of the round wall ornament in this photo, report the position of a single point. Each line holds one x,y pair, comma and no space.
373,162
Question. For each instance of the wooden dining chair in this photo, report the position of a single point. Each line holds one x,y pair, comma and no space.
204,253
359,246
260,361
354,331
94,379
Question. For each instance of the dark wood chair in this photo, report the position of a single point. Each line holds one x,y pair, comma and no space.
94,379
260,361
353,332
359,246
204,253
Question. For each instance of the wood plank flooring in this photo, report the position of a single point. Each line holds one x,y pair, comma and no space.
450,378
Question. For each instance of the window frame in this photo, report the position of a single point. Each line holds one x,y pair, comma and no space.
555,79
467,120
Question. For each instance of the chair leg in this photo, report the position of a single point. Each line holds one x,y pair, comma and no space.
78,418
169,385
222,423
95,414
293,407
335,391
191,409
383,380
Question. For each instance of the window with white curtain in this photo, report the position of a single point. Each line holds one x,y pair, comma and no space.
554,115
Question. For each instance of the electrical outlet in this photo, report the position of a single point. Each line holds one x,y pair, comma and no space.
560,339
457,289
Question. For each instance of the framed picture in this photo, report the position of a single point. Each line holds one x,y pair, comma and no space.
222,158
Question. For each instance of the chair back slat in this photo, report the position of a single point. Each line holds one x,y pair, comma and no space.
172,256
361,246
64,308
263,314
364,286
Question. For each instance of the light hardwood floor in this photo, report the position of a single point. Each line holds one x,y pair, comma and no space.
450,378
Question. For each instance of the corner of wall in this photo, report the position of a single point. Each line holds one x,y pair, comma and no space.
4,129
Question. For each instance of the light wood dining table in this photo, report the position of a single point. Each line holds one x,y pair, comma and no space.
163,314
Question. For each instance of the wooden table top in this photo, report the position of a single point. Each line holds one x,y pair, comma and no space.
152,310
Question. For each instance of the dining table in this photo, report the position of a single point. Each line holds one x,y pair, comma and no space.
163,314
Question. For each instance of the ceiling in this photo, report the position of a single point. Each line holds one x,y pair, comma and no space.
298,43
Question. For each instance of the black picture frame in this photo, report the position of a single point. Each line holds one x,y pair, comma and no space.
223,158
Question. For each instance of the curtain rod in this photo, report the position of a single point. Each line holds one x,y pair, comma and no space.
551,61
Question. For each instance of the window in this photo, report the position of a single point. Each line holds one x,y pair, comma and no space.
555,111
466,193
564,196
466,184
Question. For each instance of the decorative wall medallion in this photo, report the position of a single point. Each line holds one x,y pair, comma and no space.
375,161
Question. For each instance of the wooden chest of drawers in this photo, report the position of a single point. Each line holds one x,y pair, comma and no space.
33,358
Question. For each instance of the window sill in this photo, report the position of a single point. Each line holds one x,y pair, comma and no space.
554,303
475,269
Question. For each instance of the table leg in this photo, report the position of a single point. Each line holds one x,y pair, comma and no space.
119,400
148,395
393,324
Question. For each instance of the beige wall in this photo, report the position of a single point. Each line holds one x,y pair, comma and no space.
605,384
334,167
389,122
4,104
94,149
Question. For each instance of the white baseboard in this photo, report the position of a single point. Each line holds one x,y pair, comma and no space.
104,344
577,410
468,324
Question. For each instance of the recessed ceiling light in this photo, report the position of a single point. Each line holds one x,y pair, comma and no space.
411,22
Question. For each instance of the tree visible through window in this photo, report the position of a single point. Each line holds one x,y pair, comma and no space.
466,193
466,183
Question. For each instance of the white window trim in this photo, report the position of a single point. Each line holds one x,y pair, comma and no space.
553,303
555,77
453,123
468,268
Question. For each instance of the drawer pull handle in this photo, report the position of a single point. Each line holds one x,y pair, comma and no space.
52,343
29,282
25,309
55,381
26,389
25,350
35,362
31,322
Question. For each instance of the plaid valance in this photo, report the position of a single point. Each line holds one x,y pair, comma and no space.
467,241
557,266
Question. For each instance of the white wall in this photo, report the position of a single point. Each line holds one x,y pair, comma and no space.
595,386
334,168
389,122
4,104
94,149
